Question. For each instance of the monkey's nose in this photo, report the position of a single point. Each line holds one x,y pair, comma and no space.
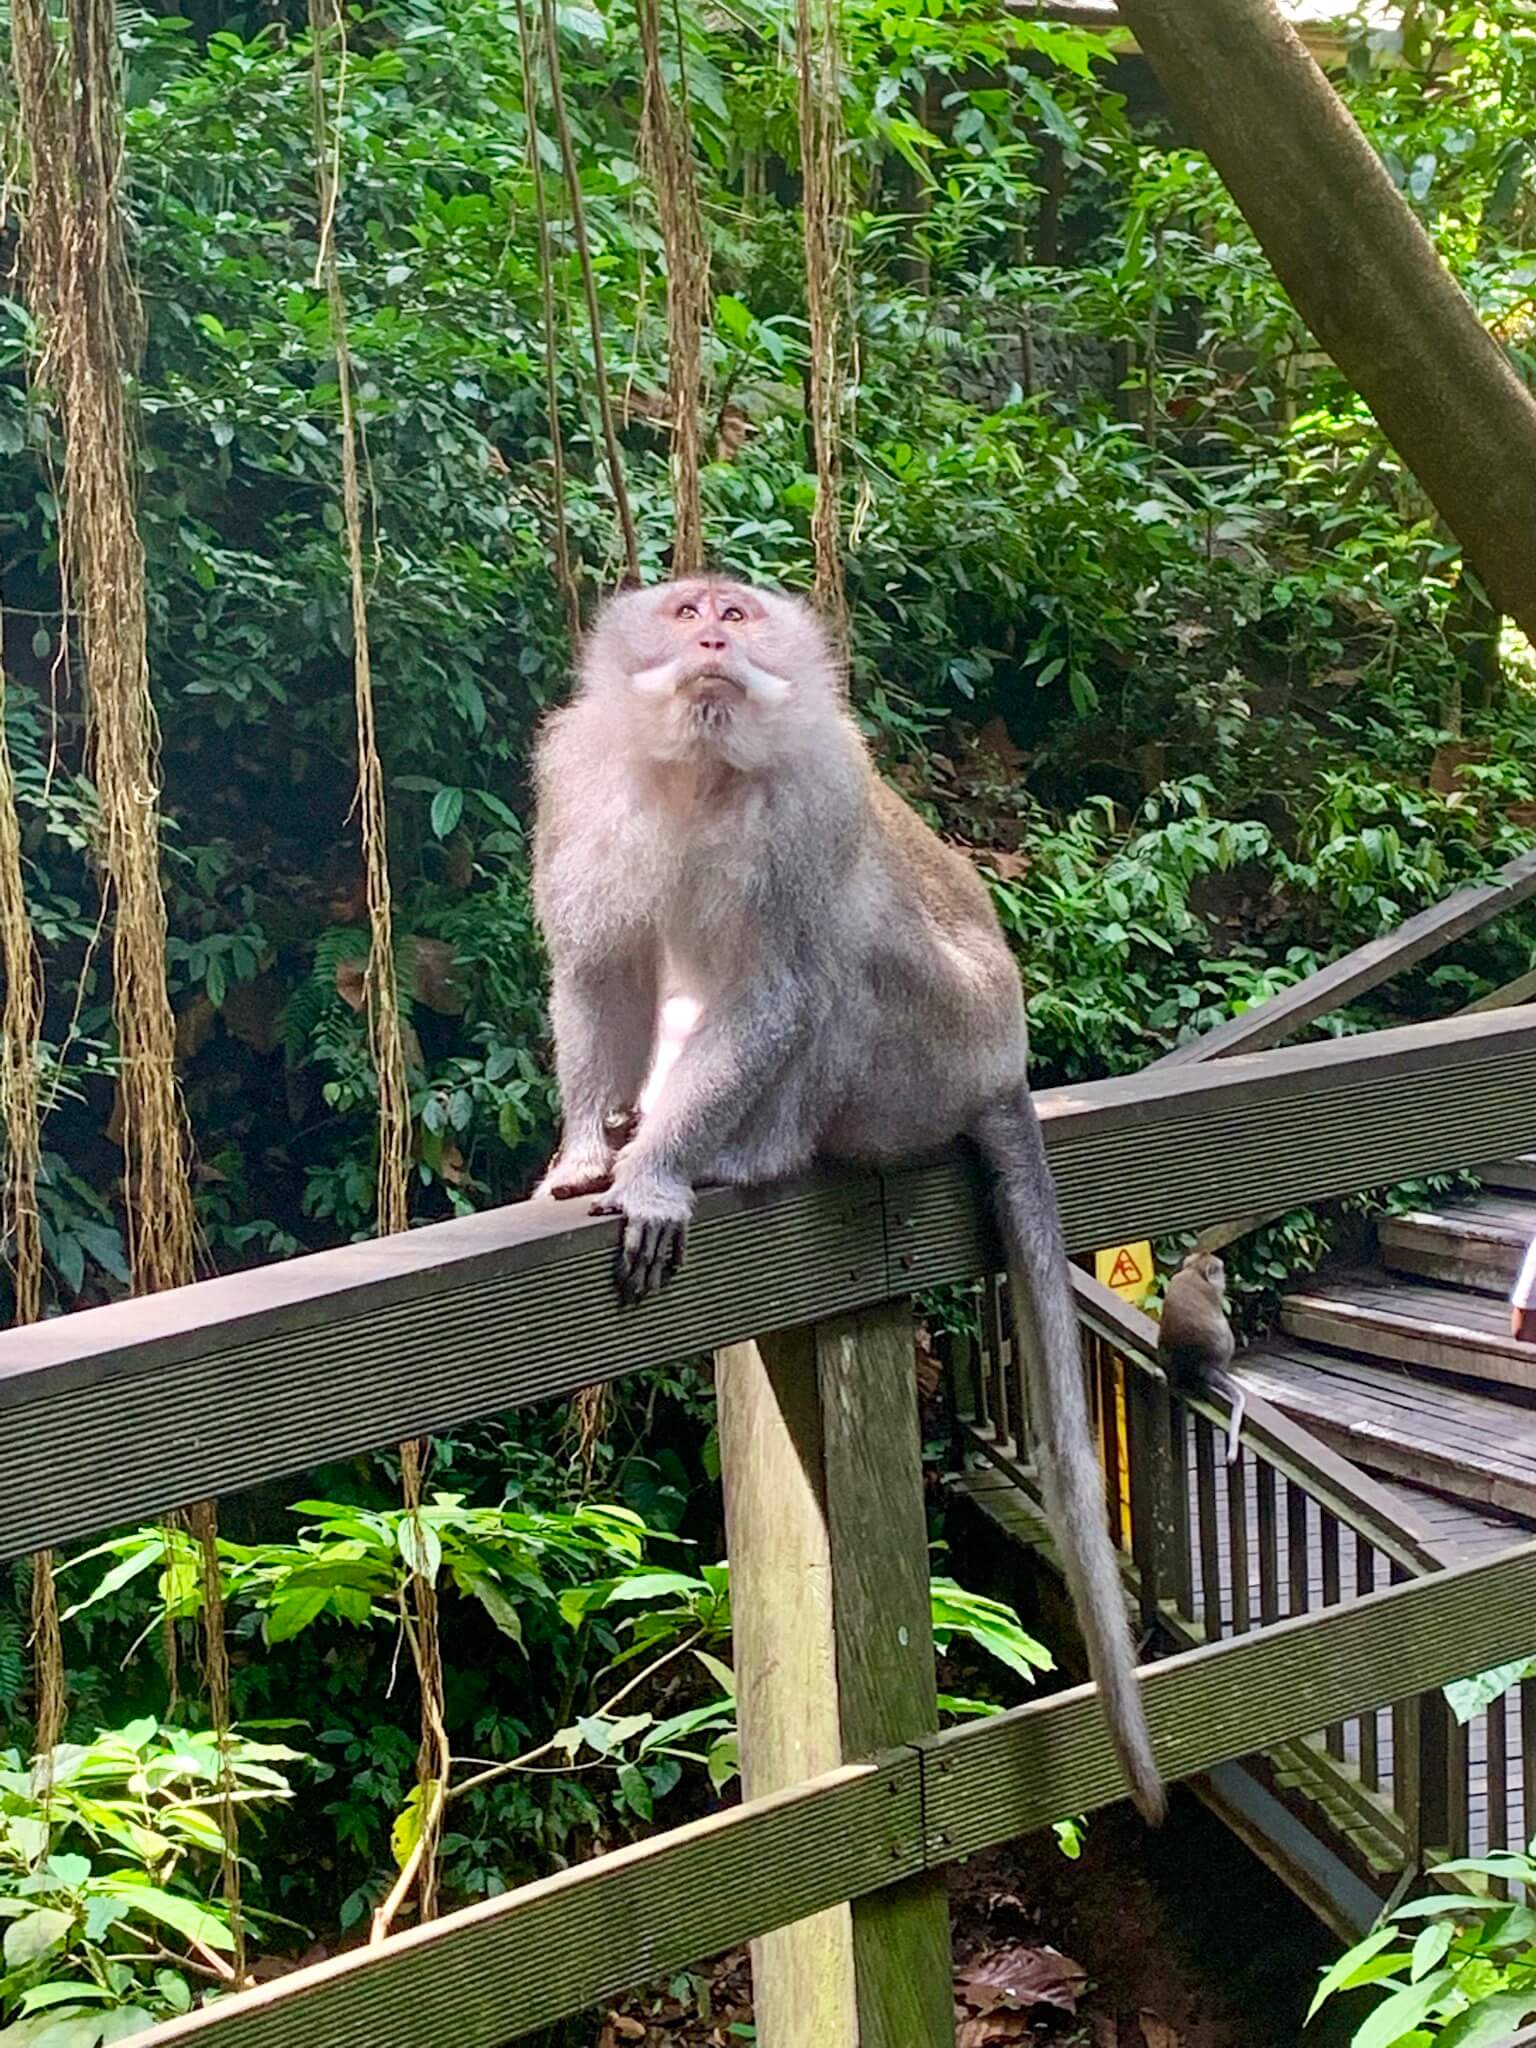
712,643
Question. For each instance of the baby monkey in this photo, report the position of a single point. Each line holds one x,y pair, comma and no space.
1194,1338
760,947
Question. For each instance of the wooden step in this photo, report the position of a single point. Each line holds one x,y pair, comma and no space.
1440,1329
1512,1176
1476,1449
1477,1244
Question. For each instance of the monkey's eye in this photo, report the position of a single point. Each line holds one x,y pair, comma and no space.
687,611
733,613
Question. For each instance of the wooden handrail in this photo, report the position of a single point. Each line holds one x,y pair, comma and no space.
1367,967
1337,1485
495,1971
208,1389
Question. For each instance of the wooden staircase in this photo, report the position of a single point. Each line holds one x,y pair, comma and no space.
1407,1366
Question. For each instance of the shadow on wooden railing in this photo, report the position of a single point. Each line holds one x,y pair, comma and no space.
122,1411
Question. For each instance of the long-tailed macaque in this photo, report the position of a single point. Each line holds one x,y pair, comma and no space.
1194,1338
713,841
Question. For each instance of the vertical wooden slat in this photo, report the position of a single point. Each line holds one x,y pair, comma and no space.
1109,1430
1408,1759
784,1653
1269,1544
1209,1528
1183,1548
997,1367
1146,1422
1498,1772
1436,1792
1333,1737
1296,1549
886,1686
1370,1747
1237,1541
1458,1782
1528,1759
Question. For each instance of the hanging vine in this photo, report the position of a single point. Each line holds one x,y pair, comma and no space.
20,1036
564,569
825,212
666,142
419,1615
80,291
572,171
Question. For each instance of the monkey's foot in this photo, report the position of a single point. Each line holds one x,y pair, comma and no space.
652,1242
576,1173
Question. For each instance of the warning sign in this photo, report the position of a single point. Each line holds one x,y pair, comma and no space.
1127,1268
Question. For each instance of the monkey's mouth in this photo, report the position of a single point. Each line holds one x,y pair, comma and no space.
712,696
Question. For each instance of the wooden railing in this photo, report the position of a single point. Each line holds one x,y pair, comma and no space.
1214,1550
1370,966
123,1411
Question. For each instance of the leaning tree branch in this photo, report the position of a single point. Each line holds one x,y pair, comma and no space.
1361,271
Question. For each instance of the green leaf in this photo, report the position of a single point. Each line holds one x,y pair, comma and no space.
25,1940
67,1991
723,1762
636,1791
1342,1976
172,1909
496,1605
721,1673
406,1832
655,1586
142,1559
293,1612
447,809
123,2024
1430,1948
1468,1697
421,1547
1401,2013
1490,2021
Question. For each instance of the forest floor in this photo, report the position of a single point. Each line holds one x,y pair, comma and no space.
1178,1939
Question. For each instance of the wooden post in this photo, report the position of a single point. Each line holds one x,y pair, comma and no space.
784,1655
834,1651
886,1687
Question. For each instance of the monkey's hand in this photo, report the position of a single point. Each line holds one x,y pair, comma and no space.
655,1214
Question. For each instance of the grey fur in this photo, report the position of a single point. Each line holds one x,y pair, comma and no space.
1194,1338
710,826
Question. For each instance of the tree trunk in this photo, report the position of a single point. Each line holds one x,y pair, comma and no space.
1361,271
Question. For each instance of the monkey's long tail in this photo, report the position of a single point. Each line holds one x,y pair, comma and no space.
1046,1321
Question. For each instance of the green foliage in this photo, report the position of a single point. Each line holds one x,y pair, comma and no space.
109,1858
1207,612
1455,1968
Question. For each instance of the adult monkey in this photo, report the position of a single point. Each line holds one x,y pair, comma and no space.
712,839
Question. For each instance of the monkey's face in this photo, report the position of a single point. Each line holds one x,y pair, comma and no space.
1211,1271
709,664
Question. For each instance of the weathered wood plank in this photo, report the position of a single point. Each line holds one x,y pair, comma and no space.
784,1656
1011,1775
1367,967
483,1976
1410,1337
205,1390
886,1689
1431,1435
